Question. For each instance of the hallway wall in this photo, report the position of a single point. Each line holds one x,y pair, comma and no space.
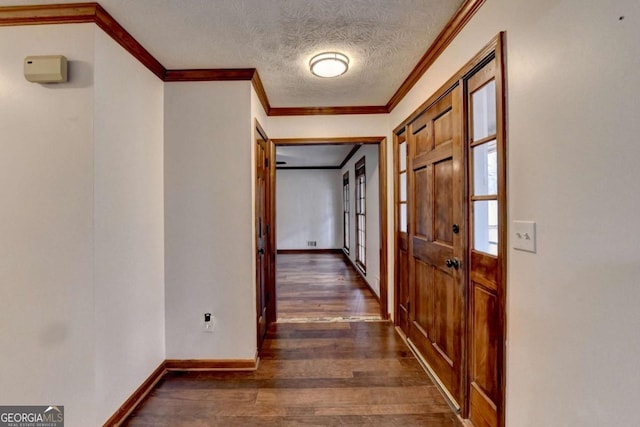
308,208
46,224
128,223
208,220
81,253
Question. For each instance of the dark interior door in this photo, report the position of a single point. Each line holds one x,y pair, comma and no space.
262,239
436,242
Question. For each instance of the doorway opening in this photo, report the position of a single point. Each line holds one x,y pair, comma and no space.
329,209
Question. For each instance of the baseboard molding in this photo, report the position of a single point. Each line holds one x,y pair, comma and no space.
308,251
211,364
448,397
136,398
364,278
149,384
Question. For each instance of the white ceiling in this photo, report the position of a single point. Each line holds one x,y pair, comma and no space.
383,38
312,155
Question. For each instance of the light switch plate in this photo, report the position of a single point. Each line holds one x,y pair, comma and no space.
523,234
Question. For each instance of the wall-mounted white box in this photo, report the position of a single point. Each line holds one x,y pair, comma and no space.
45,69
523,235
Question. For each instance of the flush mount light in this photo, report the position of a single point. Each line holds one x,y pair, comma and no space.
329,64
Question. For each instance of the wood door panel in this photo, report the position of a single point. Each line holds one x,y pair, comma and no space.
442,151
484,372
421,135
423,313
403,289
443,178
482,411
433,253
446,314
443,128
420,123
484,269
423,217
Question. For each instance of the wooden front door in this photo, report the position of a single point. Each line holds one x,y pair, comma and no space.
262,239
436,243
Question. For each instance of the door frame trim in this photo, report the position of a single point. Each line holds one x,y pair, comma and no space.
381,142
270,221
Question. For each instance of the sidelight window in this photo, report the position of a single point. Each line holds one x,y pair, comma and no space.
345,211
361,202
485,169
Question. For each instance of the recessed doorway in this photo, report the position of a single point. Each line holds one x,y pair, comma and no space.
323,269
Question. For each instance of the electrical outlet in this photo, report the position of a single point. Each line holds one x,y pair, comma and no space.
207,322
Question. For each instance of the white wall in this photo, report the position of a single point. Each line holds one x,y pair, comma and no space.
129,224
309,208
81,265
573,321
209,244
328,126
372,212
46,224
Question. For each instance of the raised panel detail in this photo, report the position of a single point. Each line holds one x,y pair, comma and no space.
443,128
422,141
443,177
424,298
484,349
446,315
423,211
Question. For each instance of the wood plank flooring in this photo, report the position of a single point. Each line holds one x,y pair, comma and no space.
319,374
321,286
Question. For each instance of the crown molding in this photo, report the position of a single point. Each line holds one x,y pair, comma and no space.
209,75
446,36
48,14
320,111
126,40
329,141
93,12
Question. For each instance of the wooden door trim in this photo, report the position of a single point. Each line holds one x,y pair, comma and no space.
501,134
381,141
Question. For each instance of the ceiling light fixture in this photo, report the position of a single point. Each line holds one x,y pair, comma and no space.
329,64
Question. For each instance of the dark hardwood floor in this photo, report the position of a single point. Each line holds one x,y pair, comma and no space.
322,286
320,374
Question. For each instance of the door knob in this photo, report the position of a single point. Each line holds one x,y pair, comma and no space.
453,263
260,251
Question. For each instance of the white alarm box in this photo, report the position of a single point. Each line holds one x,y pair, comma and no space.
45,69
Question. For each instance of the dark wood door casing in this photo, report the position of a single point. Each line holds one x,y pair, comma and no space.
265,265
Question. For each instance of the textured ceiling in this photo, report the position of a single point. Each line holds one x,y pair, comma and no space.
312,155
383,38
